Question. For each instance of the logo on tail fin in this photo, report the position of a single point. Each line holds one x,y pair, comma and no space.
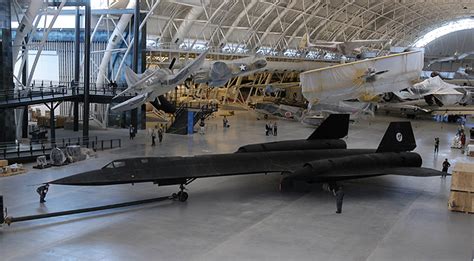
399,137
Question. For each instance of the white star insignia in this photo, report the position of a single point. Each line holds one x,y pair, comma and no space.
243,67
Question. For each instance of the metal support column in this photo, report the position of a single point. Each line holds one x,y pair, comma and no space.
24,77
142,61
87,63
24,126
136,33
52,124
77,69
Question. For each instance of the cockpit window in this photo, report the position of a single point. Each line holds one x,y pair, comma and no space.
119,164
115,164
109,166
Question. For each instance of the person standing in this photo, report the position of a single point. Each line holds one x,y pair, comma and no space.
131,131
153,136
463,140
202,125
436,145
225,122
446,166
339,198
275,129
160,134
267,129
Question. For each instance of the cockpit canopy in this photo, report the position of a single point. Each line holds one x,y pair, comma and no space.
126,163
115,164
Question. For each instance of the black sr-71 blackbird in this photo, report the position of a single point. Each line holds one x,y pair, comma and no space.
322,157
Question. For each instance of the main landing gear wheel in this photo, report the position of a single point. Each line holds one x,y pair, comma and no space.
181,195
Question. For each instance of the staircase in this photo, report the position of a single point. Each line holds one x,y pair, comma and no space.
180,124
163,105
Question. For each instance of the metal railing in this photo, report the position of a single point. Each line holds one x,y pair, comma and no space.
58,89
14,150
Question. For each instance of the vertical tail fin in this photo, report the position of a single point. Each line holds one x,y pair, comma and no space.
131,77
398,137
188,69
304,43
336,126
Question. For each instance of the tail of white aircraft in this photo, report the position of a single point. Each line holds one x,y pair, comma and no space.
305,43
188,69
131,77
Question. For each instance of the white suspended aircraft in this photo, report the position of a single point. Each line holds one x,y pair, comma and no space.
363,80
466,71
436,91
219,73
344,48
152,83
456,57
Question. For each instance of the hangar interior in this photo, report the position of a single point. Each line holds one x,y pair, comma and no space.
234,129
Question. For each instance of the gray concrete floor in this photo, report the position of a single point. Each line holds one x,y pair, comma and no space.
245,217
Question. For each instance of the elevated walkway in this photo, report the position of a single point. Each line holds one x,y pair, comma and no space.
59,93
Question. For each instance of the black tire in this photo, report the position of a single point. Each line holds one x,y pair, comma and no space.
183,196
286,185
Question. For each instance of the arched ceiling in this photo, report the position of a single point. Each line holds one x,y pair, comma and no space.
279,24
455,42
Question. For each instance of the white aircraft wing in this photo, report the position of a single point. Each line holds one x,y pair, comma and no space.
464,55
350,46
349,81
431,86
441,60
136,82
131,103
187,70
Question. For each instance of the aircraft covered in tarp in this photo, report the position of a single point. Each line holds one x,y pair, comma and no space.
362,80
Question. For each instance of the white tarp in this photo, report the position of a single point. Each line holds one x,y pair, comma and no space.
434,85
443,91
362,80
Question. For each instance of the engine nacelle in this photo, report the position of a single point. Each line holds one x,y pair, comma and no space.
355,164
220,71
294,145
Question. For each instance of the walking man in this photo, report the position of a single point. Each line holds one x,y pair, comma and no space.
339,197
267,128
446,166
160,134
275,129
153,136
436,148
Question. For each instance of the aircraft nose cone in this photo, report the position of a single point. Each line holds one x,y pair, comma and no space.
86,178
